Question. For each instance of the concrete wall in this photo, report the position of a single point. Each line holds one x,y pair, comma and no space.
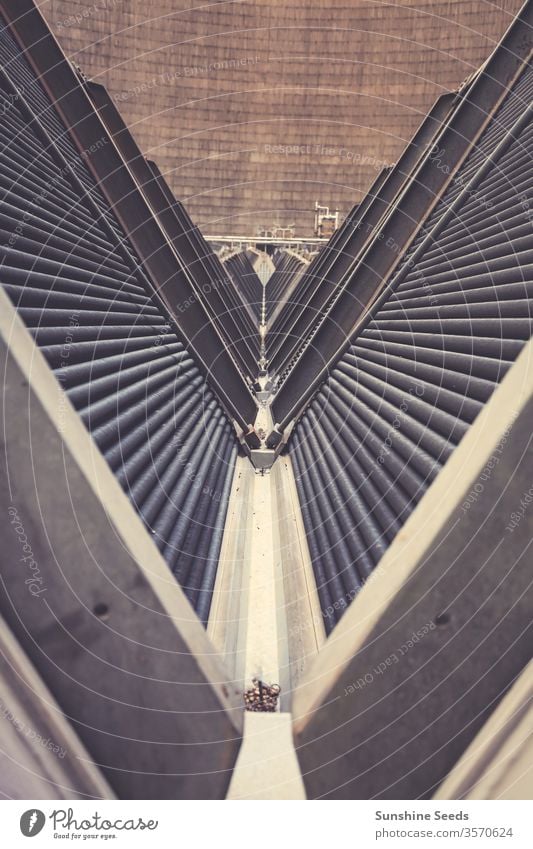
254,110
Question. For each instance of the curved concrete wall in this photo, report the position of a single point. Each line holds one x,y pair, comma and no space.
254,110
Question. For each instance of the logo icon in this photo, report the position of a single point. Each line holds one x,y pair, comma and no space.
32,822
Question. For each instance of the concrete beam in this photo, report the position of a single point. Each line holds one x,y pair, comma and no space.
306,633
441,629
265,617
94,606
498,764
40,755
267,767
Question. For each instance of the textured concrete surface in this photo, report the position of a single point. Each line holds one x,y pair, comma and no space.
254,110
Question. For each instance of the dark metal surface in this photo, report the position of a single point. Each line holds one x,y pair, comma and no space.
280,294
319,284
245,278
434,174
426,360
208,278
442,630
167,273
104,627
69,269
